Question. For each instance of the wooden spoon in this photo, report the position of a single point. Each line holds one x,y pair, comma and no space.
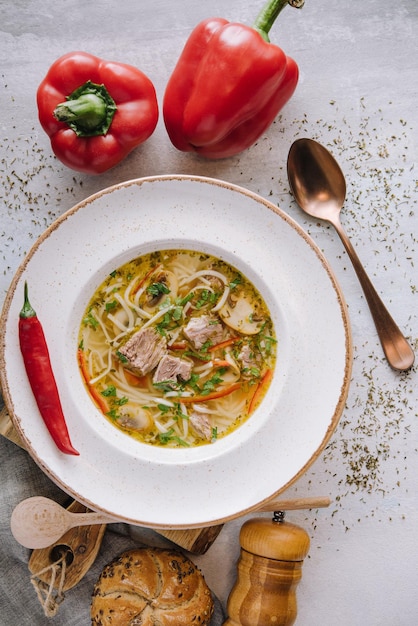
39,522
318,186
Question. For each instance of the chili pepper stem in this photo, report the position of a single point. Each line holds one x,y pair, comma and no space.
270,12
27,310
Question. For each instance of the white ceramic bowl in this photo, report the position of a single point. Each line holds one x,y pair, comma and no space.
182,488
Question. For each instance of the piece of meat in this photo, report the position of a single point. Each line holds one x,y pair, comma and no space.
172,369
216,283
143,351
201,329
200,422
248,359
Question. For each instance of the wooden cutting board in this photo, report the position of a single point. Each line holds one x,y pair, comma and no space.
79,546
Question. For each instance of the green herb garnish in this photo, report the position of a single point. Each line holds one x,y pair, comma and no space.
109,391
90,320
121,357
111,305
156,289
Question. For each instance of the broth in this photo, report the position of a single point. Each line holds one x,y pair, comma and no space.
177,348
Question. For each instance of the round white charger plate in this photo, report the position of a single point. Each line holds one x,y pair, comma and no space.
185,488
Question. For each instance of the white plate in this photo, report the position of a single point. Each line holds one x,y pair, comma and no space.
184,488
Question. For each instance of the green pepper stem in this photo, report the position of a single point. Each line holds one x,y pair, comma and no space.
89,110
269,13
27,310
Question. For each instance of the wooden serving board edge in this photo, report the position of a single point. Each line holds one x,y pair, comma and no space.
7,429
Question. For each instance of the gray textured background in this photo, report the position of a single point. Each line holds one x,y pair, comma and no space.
357,95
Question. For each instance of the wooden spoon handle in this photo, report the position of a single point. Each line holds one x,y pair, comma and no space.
398,352
293,504
90,518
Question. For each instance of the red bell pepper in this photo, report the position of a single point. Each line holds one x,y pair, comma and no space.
94,111
228,85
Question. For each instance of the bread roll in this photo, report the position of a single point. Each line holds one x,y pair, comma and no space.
151,587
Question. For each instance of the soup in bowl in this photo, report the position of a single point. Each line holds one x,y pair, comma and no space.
177,348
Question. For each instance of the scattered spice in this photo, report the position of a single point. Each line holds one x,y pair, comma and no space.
367,451
366,454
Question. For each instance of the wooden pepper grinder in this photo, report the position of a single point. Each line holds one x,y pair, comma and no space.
269,570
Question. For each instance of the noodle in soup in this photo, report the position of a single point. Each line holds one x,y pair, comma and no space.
177,348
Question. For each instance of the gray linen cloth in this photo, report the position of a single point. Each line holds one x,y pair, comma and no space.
21,478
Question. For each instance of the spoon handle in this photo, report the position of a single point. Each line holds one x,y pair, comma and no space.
398,352
89,519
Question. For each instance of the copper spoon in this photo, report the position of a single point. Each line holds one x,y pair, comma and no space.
39,522
318,186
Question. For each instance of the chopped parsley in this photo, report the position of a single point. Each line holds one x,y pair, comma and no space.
157,289
186,299
235,282
90,320
206,297
167,437
121,401
121,357
211,384
111,305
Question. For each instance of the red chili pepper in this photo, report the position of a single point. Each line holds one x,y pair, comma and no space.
94,111
228,85
41,377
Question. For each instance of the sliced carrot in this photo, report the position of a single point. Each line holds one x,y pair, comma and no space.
99,400
141,282
221,363
83,365
210,396
260,390
224,344
134,379
101,403
178,346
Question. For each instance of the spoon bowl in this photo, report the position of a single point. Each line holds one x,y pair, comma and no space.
39,522
318,186
317,182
